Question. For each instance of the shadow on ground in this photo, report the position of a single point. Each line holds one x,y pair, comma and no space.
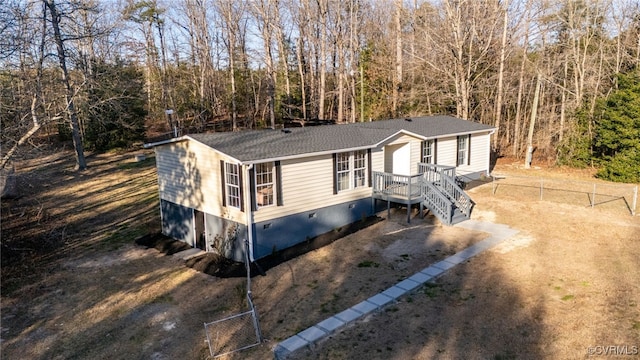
219,266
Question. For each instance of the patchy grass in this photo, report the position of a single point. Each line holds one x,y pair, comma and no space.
77,284
368,264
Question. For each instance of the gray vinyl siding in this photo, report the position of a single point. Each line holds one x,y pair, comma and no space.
447,151
377,159
415,152
307,184
189,175
416,155
479,154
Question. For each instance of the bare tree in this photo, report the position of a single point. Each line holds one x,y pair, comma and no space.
202,58
397,78
81,163
323,12
265,13
231,15
532,122
36,100
503,50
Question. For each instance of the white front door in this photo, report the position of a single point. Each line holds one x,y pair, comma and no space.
401,158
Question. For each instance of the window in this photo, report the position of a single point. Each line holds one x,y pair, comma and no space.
342,171
264,184
428,151
350,170
359,168
232,184
463,150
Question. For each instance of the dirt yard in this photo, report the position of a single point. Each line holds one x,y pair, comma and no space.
76,286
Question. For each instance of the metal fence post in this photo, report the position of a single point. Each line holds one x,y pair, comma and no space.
593,197
541,187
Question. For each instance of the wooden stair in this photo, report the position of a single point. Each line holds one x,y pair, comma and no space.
447,201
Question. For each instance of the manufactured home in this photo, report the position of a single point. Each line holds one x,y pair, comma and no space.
277,188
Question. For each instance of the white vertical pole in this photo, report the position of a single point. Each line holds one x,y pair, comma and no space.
409,198
593,196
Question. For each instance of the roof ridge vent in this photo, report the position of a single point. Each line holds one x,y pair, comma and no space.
408,119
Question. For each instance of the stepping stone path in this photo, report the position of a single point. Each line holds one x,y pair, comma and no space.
330,325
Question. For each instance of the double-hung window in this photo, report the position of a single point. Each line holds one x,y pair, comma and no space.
232,184
343,171
463,150
264,184
351,170
359,168
428,151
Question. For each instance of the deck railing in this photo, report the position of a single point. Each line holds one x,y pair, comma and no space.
444,177
433,172
397,185
440,205
435,185
457,195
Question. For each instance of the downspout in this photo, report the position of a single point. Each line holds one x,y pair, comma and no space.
249,212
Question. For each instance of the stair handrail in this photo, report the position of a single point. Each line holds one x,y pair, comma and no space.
439,204
457,195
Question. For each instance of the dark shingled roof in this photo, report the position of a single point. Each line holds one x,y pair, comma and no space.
256,145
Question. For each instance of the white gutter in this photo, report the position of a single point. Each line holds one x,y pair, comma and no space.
164,142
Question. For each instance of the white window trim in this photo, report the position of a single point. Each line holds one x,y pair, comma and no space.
348,171
363,168
229,175
428,144
462,150
265,185
351,170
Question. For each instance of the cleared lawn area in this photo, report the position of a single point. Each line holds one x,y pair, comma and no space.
75,285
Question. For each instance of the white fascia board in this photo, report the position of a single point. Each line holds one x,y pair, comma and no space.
304,155
488,131
403,132
165,142
187,137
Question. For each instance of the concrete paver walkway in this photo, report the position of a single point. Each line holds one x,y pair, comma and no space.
326,327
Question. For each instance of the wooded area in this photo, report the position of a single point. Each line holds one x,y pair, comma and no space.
560,77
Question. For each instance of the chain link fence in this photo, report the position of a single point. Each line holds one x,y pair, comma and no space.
236,332
619,198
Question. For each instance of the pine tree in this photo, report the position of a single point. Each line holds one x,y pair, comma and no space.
617,131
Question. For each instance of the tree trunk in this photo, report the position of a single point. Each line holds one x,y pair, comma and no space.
532,123
301,72
503,49
563,100
71,109
515,144
397,78
323,53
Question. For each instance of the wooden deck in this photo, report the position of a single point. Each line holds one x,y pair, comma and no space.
434,187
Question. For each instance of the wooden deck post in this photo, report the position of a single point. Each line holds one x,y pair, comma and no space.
388,208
